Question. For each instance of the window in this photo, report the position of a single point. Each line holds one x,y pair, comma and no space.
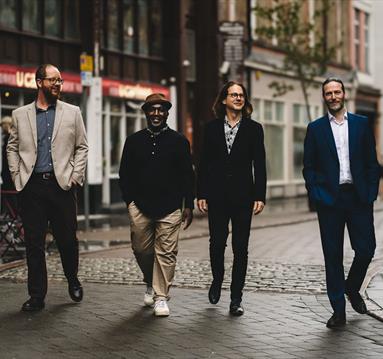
8,13
361,40
31,16
52,17
366,42
134,26
156,31
112,19
300,121
72,19
271,114
143,38
128,28
357,38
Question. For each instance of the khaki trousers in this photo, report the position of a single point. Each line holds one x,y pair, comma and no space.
155,246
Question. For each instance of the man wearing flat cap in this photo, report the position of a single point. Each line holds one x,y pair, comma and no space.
157,182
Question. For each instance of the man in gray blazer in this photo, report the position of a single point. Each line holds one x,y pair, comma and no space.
47,154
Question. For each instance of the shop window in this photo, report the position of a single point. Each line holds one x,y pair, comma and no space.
8,14
31,16
300,121
52,17
72,19
271,115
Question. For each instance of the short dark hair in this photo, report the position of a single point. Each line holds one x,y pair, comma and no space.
41,71
219,109
332,79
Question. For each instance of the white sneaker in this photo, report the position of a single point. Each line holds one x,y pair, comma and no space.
161,308
149,296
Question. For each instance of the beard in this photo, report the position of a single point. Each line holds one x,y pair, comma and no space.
50,97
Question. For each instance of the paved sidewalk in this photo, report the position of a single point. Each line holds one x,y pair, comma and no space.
111,323
285,302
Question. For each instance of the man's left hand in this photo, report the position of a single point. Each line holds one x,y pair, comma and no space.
187,217
73,183
258,207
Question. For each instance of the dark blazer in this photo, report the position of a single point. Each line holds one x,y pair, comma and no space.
240,176
321,163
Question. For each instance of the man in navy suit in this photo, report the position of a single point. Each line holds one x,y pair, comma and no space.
231,185
342,177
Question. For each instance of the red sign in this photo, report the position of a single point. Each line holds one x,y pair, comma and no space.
23,77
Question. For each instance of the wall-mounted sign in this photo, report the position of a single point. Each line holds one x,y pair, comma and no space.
233,51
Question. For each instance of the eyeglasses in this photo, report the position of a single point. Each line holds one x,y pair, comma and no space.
160,109
54,80
236,95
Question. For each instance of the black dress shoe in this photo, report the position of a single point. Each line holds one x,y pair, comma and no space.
357,302
33,305
214,293
336,321
76,292
236,309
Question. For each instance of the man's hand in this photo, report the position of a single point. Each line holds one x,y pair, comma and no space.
187,217
73,183
202,205
258,207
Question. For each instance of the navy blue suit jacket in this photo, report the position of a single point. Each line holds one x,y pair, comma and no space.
321,163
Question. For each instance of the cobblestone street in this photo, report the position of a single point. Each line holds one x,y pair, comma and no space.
286,307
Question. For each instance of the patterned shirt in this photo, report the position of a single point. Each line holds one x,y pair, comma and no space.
230,133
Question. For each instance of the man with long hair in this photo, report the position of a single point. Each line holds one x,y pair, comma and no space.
231,185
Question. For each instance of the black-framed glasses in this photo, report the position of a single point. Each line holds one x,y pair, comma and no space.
54,80
236,95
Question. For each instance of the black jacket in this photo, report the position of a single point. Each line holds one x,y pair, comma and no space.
156,172
238,177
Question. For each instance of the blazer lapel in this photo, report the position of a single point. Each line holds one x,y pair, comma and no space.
222,136
327,131
31,113
237,139
58,118
352,133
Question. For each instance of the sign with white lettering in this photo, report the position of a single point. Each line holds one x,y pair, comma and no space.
94,131
233,50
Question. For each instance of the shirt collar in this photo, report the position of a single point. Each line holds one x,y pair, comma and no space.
227,122
51,106
159,132
332,118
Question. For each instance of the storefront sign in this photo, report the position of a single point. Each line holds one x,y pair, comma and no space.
131,91
23,77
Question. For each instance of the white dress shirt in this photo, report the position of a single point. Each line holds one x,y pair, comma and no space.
340,133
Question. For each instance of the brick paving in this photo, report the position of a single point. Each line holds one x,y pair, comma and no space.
286,308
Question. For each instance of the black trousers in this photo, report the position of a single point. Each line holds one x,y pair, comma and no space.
43,201
359,218
219,218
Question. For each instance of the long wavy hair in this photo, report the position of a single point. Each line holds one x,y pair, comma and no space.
219,109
